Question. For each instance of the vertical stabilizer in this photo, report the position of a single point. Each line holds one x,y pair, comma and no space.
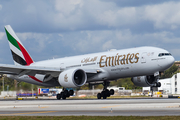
19,53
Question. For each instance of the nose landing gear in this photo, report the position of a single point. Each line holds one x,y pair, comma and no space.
105,93
156,85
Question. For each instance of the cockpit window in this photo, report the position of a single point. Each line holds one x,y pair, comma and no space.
164,54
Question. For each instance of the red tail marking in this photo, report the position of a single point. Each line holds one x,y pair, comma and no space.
25,54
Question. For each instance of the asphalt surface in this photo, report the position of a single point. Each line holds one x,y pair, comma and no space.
108,107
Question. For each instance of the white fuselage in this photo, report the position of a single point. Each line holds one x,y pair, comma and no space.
112,64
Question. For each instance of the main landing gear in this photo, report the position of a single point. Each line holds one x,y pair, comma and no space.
64,94
105,93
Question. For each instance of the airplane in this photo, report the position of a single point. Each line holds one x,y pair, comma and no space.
142,64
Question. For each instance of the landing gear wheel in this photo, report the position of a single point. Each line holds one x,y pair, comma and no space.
66,93
63,96
71,92
103,93
107,93
104,97
111,92
99,96
58,96
158,84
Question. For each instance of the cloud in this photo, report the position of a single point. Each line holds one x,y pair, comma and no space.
93,41
81,16
1,35
0,7
116,18
68,14
62,15
35,41
55,16
107,45
65,28
69,7
175,52
130,3
166,15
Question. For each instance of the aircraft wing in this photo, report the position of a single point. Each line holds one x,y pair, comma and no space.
32,70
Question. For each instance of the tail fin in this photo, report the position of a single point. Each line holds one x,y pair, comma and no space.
19,53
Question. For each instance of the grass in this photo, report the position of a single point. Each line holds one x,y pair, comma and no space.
89,117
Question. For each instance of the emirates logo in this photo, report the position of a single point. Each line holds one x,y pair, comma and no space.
66,78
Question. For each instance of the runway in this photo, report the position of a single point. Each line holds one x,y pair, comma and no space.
107,107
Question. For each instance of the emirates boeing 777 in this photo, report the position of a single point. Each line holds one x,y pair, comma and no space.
142,64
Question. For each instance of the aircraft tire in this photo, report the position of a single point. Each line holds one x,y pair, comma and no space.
58,96
158,84
107,93
99,96
67,95
71,92
103,93
104,97
111,92
66,92
63,97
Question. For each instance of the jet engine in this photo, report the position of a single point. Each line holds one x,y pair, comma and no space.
145,81
72,78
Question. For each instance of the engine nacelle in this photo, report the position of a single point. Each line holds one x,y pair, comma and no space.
144,81
72,78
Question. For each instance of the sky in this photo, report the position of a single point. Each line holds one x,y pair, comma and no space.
59,28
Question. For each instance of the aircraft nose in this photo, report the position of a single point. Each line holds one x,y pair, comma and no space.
171,61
